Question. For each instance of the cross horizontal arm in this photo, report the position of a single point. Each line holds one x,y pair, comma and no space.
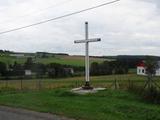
88,40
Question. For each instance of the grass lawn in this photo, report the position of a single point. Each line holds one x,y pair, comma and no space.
104,105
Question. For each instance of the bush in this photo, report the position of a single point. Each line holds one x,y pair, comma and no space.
151,95
108,68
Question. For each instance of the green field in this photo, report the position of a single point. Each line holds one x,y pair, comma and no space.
11,60
65,60
68,60
54,96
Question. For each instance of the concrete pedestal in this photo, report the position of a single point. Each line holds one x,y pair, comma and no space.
83,90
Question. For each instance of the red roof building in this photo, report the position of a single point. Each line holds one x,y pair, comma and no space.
141,64
141,69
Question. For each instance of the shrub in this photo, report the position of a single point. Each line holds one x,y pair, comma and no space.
151,95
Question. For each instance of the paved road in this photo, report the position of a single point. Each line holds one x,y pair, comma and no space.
7,113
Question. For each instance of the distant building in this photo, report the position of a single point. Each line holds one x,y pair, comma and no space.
141,69
28,72
69,70
17,55
44,54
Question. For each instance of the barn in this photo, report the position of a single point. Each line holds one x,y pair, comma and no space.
141,69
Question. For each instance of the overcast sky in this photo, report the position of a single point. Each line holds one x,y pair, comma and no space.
128,27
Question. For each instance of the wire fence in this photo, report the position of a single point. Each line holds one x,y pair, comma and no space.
110,82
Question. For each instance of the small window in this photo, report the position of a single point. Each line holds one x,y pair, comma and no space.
142,70
139,71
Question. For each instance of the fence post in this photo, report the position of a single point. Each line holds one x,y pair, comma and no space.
38,84
6,81
21,84
115,84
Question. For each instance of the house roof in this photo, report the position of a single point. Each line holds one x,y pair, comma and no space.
141,64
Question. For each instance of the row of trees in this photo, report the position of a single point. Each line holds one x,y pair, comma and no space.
109,67
52,70
58,70
119,66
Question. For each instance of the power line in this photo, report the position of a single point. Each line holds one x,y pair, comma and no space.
70,14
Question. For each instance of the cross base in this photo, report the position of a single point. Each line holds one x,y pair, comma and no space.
87,86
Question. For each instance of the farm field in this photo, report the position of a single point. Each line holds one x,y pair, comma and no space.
68,60
65,60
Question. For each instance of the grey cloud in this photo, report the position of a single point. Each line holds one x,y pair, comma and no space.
125,28
6,3
156,2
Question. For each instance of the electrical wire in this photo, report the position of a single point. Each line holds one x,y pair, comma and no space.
56,18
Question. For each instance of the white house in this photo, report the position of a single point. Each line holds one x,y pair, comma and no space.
141,69
69,70
18,55
28,72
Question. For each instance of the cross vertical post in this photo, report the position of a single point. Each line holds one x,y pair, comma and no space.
86,41
87,57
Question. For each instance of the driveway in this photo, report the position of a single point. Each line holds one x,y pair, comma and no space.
7,113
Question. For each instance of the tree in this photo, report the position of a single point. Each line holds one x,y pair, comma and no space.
29,63
55,70
3,68
18,69
120,67
109,67
106,68
94,69
40,69
151,67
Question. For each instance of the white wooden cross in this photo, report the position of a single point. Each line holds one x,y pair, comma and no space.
86,41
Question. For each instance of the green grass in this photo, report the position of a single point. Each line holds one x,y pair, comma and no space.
105,105
11,60
61,60
133,71
54,97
